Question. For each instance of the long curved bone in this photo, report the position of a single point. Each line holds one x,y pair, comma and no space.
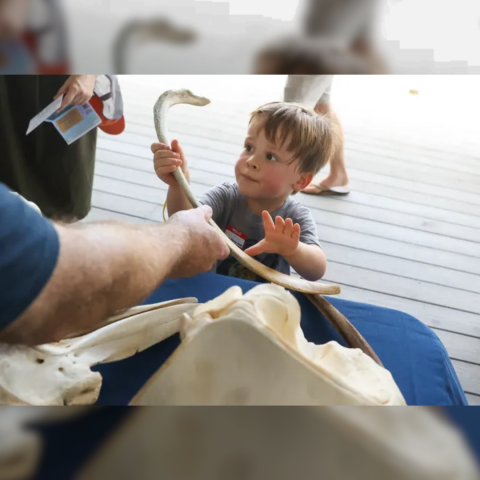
250,350
313,290
174,97
60,374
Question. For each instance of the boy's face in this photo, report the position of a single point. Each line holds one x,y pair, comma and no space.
265,170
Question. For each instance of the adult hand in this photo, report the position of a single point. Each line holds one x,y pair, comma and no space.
201,246
281,237
78,90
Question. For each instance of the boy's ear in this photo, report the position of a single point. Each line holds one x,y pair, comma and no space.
303,182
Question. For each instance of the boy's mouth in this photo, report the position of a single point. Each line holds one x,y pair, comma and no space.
249,178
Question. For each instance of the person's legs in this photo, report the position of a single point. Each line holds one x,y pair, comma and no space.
338,176
302,88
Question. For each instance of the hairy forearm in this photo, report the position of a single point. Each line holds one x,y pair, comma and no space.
177,200
309,261
102,268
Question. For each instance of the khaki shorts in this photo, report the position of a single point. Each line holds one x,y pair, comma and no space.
309,90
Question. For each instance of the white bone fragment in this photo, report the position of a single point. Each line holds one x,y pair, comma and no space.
251,350
60,374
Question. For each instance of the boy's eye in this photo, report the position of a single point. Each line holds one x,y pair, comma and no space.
271,157
248,147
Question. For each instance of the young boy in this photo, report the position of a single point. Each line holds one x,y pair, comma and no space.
286,145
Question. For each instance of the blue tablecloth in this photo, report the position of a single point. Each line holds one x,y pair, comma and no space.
70,444
410,350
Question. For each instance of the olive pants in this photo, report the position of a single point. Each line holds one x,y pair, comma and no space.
41,166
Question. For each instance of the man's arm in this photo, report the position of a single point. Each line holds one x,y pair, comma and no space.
106,267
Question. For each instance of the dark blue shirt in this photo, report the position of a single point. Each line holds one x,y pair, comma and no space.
29,250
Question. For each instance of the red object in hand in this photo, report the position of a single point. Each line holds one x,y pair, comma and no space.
112,127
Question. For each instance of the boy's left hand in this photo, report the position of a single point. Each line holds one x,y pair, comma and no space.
281,237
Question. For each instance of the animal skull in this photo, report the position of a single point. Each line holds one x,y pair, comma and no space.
250,349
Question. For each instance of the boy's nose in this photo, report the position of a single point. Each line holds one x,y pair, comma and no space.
251,162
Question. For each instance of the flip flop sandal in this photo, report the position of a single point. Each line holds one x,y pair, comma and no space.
323,190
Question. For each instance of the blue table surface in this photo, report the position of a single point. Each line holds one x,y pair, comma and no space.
409,349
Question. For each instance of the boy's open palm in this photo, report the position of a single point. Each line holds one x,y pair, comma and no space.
281,237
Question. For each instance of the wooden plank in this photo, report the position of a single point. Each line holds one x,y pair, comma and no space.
143,151
339,236
432,315
469,376
397,233
196,120
379,172
221,171
198,141
186,127
129,190
408,235
119,188
449,206
466,220
138,180
473,400
120,204
353,133
419,173
405,210
403,287
99,214
389,217
413,146
128,174
407,157
460,347
453,192
405,207
376,262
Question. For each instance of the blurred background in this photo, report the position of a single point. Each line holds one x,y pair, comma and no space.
413,443
240,36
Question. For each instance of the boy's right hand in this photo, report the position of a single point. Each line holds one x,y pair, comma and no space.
166,160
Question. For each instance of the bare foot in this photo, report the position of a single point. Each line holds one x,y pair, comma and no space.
339,180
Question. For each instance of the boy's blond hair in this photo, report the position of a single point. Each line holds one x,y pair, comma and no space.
312,137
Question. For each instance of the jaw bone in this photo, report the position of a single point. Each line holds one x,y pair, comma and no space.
250,350
60,374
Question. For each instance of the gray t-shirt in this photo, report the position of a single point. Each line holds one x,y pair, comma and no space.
232,214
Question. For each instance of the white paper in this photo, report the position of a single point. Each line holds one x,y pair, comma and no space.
44,114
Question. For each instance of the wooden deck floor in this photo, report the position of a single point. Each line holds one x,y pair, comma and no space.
408,236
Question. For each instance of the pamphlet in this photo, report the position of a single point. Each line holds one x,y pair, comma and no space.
71,123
